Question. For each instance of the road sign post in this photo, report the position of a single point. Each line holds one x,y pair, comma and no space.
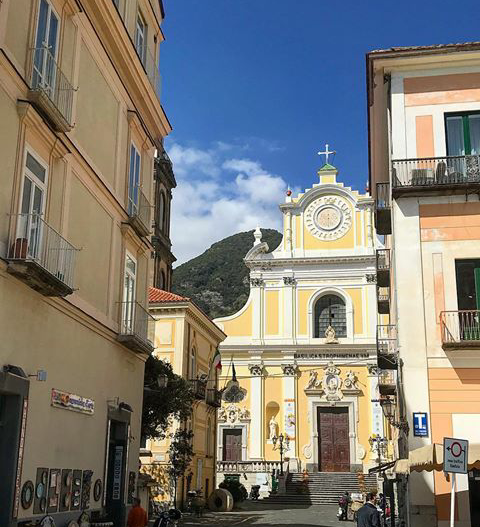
455,461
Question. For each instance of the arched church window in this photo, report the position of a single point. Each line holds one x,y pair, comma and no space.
330,311
161,212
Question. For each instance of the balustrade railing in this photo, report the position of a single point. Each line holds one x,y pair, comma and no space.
460,327
383,259
34,240
199,388
137,322
247,466
433,171
387,339
49,80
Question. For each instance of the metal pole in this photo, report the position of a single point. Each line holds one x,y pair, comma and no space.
281,458
452,501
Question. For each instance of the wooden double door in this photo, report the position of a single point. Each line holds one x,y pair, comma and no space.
333,440
232,444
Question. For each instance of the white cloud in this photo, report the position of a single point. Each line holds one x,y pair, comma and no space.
219,195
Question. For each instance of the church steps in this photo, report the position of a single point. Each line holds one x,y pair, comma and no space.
323,488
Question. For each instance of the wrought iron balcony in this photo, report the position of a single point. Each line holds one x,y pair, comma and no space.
383,300
387,347
383,267
383,209
387,382
139,212
39,256
150,66
214,397
460,329
199,387
50,91
137,328
439,174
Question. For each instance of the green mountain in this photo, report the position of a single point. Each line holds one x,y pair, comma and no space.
217,280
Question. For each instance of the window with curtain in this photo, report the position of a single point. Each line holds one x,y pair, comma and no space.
330,311
463,134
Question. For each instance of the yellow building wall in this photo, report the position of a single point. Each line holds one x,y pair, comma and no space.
240,325
356,296
272,305
345,242
302,303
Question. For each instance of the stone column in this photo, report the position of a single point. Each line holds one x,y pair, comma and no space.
289,411
257,431
289,310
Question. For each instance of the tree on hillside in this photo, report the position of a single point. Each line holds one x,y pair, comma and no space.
162,406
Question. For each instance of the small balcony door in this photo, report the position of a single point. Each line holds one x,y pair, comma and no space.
129,290
31,208
133,181
141,38
468,298
45,53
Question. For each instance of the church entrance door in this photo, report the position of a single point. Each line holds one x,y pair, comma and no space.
333,440
232,444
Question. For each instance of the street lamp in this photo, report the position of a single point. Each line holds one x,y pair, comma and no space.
388,407
283,442
162,382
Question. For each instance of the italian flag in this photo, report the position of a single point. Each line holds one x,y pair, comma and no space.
217,360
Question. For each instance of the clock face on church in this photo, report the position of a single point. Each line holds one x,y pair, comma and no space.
328,217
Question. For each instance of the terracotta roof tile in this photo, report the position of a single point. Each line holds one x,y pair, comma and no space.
157,296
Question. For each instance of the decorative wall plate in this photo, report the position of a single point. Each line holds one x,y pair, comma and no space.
48,521
27,494
40,490
97,490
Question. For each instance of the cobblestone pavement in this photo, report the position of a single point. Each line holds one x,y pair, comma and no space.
257,514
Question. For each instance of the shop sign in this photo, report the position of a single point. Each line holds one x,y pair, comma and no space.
117,473
73,402
420,424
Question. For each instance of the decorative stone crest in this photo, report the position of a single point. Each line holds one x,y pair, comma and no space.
328,217
256,370
289,280
332,383
256,282
314,383
233,414
289,369
350,381
330,337
332,387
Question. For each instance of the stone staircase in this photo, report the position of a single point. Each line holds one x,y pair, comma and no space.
323,488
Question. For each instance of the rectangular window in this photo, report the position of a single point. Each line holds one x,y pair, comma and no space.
468,284
141,38
133,181
463,133
129,290
45,52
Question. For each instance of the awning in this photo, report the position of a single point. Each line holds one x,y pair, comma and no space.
430,457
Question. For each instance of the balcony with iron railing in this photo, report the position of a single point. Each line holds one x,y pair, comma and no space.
150,66
50,90
383,209
460,329
199,388
137,328
383,300
383,267
214,397
387,382
387,347
436,174
139,211
40,256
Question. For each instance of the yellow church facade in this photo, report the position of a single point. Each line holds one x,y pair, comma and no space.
304,344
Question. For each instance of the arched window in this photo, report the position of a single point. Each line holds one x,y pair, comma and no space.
330,311
163,281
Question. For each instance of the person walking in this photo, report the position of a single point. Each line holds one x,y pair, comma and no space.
137,517
367,516
343,502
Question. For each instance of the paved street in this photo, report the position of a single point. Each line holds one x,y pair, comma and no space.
271,516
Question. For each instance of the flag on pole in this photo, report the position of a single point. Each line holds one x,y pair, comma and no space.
217,361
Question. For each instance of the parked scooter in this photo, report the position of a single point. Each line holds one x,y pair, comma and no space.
168,518
254,492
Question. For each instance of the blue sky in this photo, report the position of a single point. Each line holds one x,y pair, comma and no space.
254,88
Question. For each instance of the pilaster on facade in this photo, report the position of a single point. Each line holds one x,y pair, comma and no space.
257,397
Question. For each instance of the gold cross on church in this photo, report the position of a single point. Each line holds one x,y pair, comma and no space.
327,152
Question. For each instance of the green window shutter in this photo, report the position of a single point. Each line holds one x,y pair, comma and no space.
477,286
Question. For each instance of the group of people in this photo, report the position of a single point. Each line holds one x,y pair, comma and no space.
369,514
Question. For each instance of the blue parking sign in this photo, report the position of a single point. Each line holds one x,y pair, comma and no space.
420,424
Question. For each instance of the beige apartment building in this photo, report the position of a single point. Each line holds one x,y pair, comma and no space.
424,146
187,338
81,121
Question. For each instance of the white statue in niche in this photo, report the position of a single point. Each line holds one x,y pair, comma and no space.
330,336
273,427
